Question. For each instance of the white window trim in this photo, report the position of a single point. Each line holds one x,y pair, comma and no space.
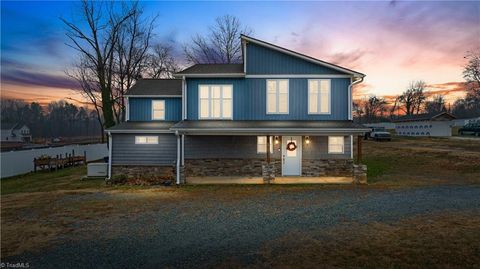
164,109
271,144
209,100
319,98
343,145
137,138
277,97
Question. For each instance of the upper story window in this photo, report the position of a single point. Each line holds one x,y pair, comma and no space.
146,140
158,109
262,144
277,96
215,101
319,96
336,144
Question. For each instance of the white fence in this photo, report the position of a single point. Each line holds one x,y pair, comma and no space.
21,162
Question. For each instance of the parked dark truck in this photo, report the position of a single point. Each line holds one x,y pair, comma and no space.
471,128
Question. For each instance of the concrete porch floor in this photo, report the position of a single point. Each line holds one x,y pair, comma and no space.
278,180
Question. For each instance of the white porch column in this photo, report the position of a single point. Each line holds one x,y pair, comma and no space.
178,159
109,155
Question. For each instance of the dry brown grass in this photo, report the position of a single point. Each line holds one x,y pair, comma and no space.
423,161
446,241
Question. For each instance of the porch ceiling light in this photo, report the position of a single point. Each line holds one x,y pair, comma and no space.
307,140
276,140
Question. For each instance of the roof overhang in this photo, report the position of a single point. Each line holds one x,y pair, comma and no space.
273,131
152,96
212,75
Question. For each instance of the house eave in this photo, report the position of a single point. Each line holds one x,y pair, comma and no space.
271,131
221,75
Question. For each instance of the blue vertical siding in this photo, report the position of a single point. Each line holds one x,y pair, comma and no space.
141,108
249,99
262,60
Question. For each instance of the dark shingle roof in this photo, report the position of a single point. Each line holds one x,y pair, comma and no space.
141,126
156,87
268,126
424,117
200,69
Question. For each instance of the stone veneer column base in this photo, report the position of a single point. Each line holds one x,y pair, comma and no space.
268,173
360,173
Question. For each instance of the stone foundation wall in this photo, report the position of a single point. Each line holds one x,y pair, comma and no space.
330,167
227,167
143,175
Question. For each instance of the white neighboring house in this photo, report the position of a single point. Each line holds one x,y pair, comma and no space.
437,124
15,132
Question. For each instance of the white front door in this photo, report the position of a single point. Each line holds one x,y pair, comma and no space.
291,155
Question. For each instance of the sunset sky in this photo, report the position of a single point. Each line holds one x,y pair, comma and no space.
393,43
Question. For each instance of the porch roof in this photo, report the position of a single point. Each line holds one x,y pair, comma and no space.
272,127
142,127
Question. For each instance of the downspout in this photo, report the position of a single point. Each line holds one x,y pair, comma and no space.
127,112
109,155
184,98
350,96
178,159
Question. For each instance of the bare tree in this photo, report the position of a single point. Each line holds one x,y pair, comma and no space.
88,88
373,107
96,44
161,63
435,105
471,74
221,45
412,100
130,55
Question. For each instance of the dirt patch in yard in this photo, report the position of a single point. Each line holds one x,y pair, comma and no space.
446,241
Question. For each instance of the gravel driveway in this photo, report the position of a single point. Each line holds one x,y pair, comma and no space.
202,232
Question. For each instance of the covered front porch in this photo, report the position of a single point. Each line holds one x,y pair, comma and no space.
232,152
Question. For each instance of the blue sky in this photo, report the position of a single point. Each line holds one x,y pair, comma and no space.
392,42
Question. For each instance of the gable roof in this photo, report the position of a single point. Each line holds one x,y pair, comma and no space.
210,69
302,56
156,87
425,117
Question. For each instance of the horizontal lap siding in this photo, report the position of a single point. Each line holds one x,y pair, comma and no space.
241,147
234,147
141,108
262,60
249,99
318,149
126,152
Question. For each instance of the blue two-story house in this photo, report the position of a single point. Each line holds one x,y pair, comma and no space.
279,113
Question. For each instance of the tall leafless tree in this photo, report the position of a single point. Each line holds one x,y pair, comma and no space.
96,44
130,55
412,100
88,87
373,107
435,105
161,62
220,46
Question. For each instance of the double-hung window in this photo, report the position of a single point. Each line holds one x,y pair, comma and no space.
146,140
262,144
158,109
336,144
277,96
319,96
215,101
